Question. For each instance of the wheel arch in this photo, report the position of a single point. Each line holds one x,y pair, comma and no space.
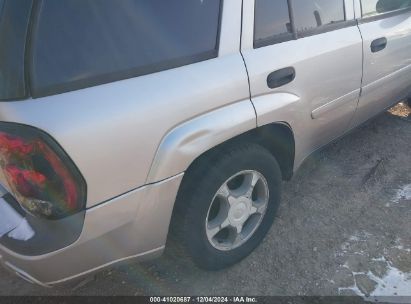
187,144
277,138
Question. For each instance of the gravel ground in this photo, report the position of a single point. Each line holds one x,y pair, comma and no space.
343,229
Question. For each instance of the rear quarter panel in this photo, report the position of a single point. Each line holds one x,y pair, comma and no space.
112,131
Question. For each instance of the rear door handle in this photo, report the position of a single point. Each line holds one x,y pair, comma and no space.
281,77
378,45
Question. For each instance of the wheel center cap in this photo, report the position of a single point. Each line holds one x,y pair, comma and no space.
239,212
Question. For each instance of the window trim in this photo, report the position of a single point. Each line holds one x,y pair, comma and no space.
295,35
273,40
386,15
108,77
327,28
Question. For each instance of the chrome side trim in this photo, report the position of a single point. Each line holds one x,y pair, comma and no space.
387,78
335,104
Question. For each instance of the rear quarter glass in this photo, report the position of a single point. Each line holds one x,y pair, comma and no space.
15,16
96,44
1,7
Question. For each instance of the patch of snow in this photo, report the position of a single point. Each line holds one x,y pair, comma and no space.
404,193
379,259
395,283
402,248
395,286
354,238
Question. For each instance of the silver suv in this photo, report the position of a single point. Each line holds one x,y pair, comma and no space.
125,124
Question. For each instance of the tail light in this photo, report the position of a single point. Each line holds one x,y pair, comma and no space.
39,174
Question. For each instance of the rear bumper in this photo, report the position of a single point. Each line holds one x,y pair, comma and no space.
132,226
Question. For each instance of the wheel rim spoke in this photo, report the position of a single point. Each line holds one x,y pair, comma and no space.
239,228
213,231
252,180
258,209
224,191
237,239
215,226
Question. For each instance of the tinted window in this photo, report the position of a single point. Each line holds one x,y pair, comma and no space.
13,29
310,14
81,43
1,7
375,7
272,21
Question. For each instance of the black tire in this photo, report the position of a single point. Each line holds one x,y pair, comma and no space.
198,190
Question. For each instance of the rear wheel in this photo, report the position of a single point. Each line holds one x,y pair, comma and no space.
227,205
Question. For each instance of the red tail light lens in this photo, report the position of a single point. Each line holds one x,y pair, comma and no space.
40,176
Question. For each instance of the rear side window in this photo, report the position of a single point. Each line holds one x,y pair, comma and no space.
311,14
82,43
272,22
14,18
1,7
282,20
376,7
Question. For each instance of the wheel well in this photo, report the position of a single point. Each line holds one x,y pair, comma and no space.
278,138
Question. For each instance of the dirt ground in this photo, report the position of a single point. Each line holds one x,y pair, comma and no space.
343,228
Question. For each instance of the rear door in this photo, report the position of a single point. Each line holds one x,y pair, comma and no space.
304,59
386,29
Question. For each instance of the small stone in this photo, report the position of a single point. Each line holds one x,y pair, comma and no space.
357,263
379,268
402,261
315,249
365,284
344,278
